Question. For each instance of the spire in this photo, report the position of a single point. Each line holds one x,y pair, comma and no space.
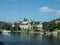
25,19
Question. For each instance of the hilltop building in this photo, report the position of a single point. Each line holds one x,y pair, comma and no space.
28,24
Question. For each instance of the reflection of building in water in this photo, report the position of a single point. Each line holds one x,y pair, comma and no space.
27,24
31,36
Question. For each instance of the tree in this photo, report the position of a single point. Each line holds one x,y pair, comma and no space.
16,28
58,26
50,27
7,27
35,27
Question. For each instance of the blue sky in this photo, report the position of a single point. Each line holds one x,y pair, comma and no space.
40,10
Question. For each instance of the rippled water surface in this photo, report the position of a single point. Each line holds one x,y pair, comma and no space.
29,39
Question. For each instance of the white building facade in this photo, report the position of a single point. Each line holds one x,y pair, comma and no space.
28,25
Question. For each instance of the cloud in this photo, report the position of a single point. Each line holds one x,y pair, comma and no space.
46,9
58,12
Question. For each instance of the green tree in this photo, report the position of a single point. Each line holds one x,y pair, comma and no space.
34,27
7,27
50,27
16,28
58,26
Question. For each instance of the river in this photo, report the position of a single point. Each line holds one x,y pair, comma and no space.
29,39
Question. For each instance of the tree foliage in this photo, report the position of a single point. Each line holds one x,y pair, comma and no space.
58,26
50,27
16,28
9,27
34,27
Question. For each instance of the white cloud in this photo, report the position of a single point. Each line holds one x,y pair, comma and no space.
46,9
58,12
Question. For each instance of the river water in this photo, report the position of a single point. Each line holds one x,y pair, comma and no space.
29,39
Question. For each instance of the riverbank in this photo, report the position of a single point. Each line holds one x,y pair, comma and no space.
41,32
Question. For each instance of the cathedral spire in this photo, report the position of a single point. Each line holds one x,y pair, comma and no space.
25,19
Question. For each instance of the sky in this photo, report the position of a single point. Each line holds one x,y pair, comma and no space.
40,10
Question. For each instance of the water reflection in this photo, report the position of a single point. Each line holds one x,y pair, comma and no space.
29,39
30,36
58,39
